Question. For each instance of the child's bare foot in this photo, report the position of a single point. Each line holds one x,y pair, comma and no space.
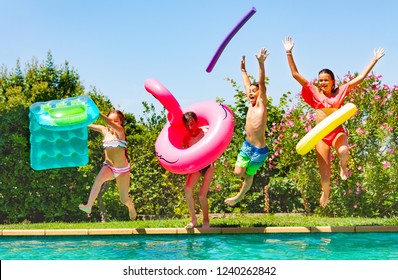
343,172
324,200
232,201
191,225
206,225
85,208
132,213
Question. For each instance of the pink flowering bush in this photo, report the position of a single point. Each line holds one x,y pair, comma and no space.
373,137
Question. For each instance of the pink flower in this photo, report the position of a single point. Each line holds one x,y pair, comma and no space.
386,164
391,150
295,135
359,167
355,206
360,130
290,123
271,166
218,187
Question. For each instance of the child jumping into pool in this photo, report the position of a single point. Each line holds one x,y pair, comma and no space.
116,164
254,150
326,99
193,135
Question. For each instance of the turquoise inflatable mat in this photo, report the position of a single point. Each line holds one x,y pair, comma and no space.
58,132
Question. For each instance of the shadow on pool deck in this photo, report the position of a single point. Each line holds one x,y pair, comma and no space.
213,230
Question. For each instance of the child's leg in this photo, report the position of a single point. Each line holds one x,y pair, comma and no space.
192,179
104,175
204,204
123,184
247,183
341,146
323,155
242,160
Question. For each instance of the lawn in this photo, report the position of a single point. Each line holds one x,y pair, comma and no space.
218,221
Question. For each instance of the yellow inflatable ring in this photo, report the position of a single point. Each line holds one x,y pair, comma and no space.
325,127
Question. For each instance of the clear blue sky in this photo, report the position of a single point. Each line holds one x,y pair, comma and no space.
117,45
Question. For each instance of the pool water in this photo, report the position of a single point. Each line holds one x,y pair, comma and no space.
314,246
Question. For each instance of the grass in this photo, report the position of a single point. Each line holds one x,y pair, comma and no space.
228,221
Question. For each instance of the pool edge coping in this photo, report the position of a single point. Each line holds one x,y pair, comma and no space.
212,230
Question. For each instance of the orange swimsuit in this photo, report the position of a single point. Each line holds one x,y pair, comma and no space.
319,101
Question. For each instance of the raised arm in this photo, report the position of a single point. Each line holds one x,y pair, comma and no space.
245,77
289,44
261,56
377,54
117,128
98,128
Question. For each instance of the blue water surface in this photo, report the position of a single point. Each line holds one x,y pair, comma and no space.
280,246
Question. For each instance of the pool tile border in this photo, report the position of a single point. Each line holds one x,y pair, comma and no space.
377,228
213,230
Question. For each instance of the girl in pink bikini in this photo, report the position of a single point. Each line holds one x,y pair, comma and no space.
326,99
116,165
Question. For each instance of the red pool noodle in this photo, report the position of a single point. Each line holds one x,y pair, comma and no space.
228,38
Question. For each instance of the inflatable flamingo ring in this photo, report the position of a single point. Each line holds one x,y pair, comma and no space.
168,147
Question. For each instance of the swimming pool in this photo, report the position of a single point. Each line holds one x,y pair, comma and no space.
278,246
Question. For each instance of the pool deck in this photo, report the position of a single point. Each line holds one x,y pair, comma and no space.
213,230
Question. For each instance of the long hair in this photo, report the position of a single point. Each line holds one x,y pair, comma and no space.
335,88
123,120
120,115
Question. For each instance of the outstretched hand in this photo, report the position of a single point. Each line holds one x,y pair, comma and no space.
379,53
288,44
262,55
243,63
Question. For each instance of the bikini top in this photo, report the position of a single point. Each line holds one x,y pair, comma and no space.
114,143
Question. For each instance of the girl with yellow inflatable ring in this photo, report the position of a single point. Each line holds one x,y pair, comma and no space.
326,99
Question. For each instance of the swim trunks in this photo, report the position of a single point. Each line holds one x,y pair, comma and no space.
251,157
204,170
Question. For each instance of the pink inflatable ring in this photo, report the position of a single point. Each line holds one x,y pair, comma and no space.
168,147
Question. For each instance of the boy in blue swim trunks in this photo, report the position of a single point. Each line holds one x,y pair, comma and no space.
254,150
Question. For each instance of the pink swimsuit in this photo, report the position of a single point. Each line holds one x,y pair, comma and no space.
117,171
319,101
115,143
